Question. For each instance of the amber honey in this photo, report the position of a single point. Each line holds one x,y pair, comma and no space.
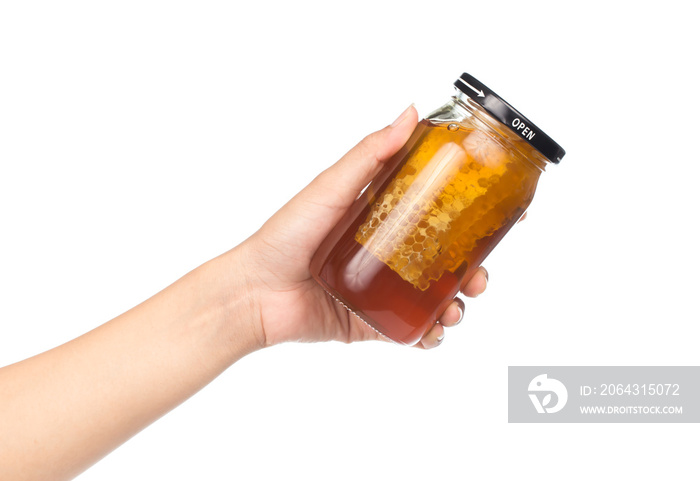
416,235
420,230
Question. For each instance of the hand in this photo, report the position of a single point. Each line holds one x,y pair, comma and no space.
288,303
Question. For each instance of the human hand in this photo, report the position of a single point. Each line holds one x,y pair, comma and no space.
288,303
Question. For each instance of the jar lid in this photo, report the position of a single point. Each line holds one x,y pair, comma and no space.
510,117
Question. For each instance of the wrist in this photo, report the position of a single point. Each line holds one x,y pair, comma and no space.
234,303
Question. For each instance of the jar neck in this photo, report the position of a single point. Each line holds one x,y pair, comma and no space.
465,108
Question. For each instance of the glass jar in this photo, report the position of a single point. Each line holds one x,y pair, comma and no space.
439,206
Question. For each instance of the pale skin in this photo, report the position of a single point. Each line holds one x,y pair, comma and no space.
64,409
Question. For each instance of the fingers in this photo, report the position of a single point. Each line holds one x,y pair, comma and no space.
453,314
433,337
451,317
477,284
455,311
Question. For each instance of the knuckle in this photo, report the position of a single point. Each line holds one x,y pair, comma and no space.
369,144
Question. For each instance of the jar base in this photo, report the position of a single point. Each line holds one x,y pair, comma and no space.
359,314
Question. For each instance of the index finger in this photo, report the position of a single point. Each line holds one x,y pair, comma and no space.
477,284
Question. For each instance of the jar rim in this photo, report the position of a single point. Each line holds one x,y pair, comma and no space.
510,117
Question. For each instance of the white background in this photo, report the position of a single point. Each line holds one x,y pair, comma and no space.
139,139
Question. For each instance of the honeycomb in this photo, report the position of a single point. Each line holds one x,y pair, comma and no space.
455,188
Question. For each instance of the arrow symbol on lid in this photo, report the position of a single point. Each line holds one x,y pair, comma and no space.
479,93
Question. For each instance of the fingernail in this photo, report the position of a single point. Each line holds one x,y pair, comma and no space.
401,117
460,307
440,338
486,273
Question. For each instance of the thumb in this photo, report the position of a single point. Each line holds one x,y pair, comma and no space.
315,210
340,184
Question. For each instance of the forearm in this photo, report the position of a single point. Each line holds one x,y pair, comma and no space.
63,410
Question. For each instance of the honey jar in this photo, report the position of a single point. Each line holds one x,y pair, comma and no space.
437,208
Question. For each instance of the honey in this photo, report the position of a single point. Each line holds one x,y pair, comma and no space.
425,224
433,212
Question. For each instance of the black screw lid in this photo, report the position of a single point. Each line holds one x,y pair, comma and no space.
508,116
